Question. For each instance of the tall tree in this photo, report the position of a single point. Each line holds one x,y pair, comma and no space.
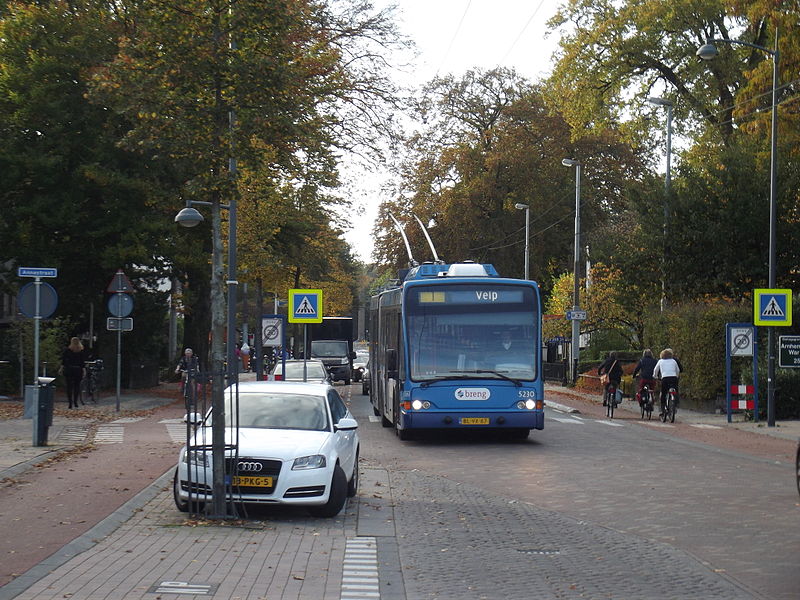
71,198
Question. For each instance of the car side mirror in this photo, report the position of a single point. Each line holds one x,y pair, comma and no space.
346,424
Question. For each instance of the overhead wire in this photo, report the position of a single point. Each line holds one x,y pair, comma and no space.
522,31
453,39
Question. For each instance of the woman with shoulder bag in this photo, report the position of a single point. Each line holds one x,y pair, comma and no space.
610,373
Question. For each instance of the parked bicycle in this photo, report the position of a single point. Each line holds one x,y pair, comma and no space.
669,409
646,401
90,384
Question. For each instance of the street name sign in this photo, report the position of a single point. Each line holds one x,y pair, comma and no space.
36,272
772,307
576,315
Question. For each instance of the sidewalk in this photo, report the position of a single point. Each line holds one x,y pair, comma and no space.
574,399
147,549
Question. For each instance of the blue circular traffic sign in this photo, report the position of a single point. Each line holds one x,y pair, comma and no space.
120,305
48,300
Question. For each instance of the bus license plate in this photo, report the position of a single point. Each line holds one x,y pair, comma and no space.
475,421
245,481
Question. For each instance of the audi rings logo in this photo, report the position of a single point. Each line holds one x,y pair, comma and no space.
250,467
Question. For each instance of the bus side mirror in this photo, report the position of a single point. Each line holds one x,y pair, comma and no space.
391,363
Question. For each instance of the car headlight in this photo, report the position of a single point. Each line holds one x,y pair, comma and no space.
197,457
345,361
316,461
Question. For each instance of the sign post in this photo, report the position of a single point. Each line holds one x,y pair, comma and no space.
740,340
305,306
773,308
33,296
120,305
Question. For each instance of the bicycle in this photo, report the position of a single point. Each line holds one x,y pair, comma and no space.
646,402
189,391
668,411
90,384
611,400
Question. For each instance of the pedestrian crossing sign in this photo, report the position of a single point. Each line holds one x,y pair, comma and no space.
772,308
305,306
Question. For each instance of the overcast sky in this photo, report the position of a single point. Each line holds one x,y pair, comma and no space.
453,36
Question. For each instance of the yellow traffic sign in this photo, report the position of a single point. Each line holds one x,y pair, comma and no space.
772,307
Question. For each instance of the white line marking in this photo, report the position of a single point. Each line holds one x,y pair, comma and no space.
704,426
568,421
610,423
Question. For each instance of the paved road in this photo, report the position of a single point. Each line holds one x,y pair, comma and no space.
588,508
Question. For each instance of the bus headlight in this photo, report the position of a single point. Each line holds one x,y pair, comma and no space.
528,404
420,405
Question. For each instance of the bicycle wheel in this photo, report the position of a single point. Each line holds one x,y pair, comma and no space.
672,408
664,410
92,390
610,398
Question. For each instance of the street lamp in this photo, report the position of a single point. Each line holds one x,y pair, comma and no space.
191,217
576,324
667,179
709,52
527,210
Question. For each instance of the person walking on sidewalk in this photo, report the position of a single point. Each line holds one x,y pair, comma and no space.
73,367
613,369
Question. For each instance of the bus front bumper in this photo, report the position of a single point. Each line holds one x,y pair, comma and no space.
442,419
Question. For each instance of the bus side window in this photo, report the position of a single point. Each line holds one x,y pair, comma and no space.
391,363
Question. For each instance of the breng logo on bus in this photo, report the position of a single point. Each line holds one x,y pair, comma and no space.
473,394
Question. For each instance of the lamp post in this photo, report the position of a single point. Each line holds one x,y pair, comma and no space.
667,181
190,217
527,210
709,52
576,324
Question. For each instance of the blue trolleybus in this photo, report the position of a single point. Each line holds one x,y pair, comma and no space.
457,346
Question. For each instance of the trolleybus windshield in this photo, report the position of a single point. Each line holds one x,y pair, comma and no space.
465,331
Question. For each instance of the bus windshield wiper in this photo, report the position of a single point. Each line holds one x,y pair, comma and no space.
463,374
516,382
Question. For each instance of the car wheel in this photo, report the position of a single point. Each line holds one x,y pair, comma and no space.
347,382
352,485
180,504
336,498
365,392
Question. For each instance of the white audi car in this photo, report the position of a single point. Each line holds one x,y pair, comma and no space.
296,443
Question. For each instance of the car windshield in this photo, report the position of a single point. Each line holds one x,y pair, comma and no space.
294,371
282,411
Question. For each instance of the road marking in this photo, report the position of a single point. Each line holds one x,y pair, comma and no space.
610,423
360,568
656,424
109,434
74,434
567,420
704,426
374,419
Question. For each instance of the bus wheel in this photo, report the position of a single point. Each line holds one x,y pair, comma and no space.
403,434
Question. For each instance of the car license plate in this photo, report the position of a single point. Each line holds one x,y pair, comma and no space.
246,481
475,421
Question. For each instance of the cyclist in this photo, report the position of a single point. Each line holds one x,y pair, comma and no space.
645,368
667,369
188,366
611,367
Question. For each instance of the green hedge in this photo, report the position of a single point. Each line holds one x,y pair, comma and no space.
696,334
